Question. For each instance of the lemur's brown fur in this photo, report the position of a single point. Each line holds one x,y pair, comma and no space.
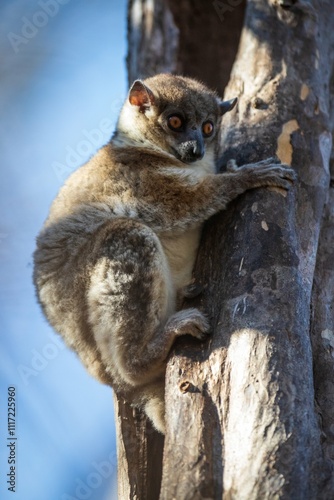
122,235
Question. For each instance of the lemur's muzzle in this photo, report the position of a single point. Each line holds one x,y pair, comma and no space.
191,151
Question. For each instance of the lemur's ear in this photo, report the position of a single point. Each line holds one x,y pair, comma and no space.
227,105
140,95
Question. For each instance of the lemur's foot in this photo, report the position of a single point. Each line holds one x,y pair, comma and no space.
189,322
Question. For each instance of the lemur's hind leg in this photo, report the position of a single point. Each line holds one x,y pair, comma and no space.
131,304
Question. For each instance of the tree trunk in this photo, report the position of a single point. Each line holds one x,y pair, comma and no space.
139,453
249,415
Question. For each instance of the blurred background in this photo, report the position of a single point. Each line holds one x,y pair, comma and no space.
62,82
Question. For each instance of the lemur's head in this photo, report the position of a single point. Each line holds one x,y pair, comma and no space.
175,114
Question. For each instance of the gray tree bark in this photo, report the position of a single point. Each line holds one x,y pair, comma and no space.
250,414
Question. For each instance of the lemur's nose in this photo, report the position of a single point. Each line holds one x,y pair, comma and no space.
198,150
194,150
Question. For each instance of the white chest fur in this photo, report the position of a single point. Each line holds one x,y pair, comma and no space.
181,251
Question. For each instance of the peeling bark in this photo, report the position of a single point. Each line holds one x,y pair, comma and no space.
250,413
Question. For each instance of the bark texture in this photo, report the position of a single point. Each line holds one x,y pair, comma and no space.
192,37
139,452
250,414
153,39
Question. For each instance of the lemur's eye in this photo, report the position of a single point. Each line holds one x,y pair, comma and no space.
175,122
207,128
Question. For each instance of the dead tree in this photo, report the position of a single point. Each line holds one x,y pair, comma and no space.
250,414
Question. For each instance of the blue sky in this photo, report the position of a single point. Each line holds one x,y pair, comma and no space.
61,86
